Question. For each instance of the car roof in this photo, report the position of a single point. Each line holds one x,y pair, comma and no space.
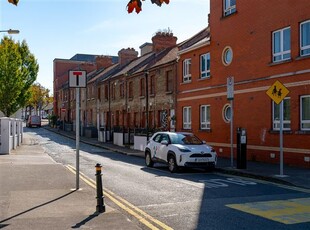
168,132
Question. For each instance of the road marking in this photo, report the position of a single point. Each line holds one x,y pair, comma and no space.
218,183
292,211
291,187
140,215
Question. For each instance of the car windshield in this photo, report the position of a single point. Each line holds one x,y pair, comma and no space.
185,139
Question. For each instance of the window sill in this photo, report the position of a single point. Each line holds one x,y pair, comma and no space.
169,92
302,57
141,97
204,78
278,131
229,15
186,82
280,62
205,130
303,132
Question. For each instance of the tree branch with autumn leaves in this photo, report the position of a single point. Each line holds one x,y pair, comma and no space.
137,5
131,6
14,2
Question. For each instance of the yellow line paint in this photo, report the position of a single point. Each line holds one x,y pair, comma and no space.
132,210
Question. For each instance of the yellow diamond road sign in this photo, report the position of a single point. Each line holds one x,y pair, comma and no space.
277,92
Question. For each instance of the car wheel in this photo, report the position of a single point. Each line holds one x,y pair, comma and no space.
173,167
148,160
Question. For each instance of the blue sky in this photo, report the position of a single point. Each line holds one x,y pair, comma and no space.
63,28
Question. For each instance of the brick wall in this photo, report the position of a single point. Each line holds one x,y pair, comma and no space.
249,34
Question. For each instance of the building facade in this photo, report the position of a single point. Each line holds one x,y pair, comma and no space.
137,92
257,46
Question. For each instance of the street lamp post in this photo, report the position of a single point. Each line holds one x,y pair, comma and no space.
10,31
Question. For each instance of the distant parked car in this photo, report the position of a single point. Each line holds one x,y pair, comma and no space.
33,120
179,149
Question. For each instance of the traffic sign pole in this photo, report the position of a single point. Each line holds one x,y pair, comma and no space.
281,138
77,80
277,92
231,134
77,137
230,96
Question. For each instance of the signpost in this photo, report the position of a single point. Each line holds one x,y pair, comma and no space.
230,97
277,92
77,80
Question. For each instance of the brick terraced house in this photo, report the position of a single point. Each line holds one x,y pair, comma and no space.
132,93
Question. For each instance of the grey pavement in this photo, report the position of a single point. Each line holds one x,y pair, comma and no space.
295,176
38,193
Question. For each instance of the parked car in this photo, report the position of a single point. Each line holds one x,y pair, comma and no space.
179,149
33,120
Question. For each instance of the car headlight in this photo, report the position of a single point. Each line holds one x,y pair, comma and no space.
183,150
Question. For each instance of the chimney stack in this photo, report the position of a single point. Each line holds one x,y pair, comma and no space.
103,62
127,55
163,40
146,48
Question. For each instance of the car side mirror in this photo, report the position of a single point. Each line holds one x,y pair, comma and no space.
164,142
204,142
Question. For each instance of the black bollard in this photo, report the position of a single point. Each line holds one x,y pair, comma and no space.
100,198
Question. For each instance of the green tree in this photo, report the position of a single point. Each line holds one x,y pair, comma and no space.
39,97
18,70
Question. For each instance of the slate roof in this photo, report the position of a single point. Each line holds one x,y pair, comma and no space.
197,38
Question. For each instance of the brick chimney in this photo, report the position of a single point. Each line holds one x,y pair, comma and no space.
127,55
163,40
146,48
103,61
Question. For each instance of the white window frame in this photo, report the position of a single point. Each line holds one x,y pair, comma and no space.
304,122
306,47
187,76
228,7
187,117
281,53
205,62
276,120
205,120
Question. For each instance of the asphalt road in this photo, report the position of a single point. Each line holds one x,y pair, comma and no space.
190,199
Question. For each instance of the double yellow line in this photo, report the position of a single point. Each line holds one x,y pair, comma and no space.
137,213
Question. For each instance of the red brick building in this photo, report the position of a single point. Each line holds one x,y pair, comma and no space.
257,46
136,92
61,86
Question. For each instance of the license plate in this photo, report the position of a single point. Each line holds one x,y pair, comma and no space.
201,160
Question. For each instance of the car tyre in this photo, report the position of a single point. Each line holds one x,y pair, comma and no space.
148,159
172,164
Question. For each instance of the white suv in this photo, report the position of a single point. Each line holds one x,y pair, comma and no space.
179,149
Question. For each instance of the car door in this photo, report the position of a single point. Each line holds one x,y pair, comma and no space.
163,149
155,144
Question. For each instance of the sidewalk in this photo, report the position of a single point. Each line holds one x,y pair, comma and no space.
38,193
299,177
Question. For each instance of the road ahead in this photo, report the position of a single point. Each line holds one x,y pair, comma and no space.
191,199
